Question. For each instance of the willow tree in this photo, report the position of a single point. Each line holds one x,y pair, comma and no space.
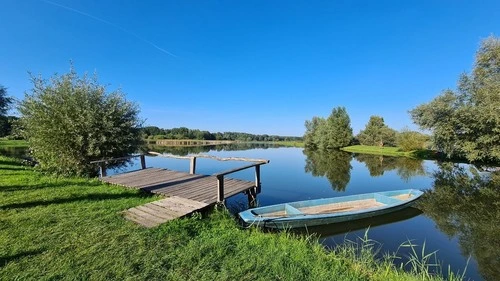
69,121
466,122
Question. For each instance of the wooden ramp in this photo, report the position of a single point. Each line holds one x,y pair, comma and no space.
158,212
186,192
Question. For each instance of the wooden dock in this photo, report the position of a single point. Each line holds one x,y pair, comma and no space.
185,192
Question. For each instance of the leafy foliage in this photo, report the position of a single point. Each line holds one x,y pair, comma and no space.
377,133
311,136
5,101
71,121
466,122
409,140
331,133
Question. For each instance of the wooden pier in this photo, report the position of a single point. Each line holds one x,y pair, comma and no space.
185,192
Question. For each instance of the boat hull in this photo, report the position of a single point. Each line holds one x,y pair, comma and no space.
329,210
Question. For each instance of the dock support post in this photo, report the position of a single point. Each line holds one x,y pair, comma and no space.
257,179
220,188
102,169
192,166
143,161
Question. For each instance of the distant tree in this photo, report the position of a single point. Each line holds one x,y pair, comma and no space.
466,122
7,126
409,140
311,137
5,101
70,121
377,133
336,131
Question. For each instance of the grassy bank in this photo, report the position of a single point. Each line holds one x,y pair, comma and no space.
12,143
60,228
389,151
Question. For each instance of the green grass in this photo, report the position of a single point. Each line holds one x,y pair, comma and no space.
288,143
13,143
71,229
387,151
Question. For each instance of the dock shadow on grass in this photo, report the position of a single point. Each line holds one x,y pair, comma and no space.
4,260
87,197
58,184
9,163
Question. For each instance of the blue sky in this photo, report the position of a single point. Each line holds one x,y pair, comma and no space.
262,67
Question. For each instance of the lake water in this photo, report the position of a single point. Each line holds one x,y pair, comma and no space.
294,174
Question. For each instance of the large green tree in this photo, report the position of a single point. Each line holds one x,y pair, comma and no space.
337,131
70,121
377,133
466,122
311,136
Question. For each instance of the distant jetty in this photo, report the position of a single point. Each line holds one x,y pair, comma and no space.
169,142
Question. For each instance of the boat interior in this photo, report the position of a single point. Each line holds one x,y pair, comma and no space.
378,200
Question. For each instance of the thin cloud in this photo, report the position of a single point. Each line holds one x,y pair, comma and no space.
111,24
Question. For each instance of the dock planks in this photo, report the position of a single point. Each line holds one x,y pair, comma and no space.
186,193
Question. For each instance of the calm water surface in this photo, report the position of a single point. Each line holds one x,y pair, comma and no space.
294,174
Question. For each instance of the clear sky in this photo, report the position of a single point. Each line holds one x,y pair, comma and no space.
261,67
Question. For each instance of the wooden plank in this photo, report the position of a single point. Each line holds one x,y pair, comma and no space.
163,214
145,215
139,220
179,200
164,211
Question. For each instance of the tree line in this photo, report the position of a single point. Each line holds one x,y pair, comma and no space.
464,123
336,132
153,132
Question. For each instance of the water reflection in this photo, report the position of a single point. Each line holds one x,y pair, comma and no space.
466,204
349,226
406,168
14,151
186,150
335,165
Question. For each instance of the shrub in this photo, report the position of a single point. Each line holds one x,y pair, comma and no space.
411,140
70,121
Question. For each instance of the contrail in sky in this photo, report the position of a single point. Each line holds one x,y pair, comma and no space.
111,24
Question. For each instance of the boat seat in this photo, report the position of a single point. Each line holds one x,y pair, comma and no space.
386,199
292,211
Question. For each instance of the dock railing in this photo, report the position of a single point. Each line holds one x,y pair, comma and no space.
192,168
104,162
220,176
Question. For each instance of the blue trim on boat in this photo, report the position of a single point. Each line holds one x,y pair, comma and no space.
293,217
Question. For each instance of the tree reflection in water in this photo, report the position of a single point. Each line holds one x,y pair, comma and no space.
405,167
466,204
186,150
335,165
